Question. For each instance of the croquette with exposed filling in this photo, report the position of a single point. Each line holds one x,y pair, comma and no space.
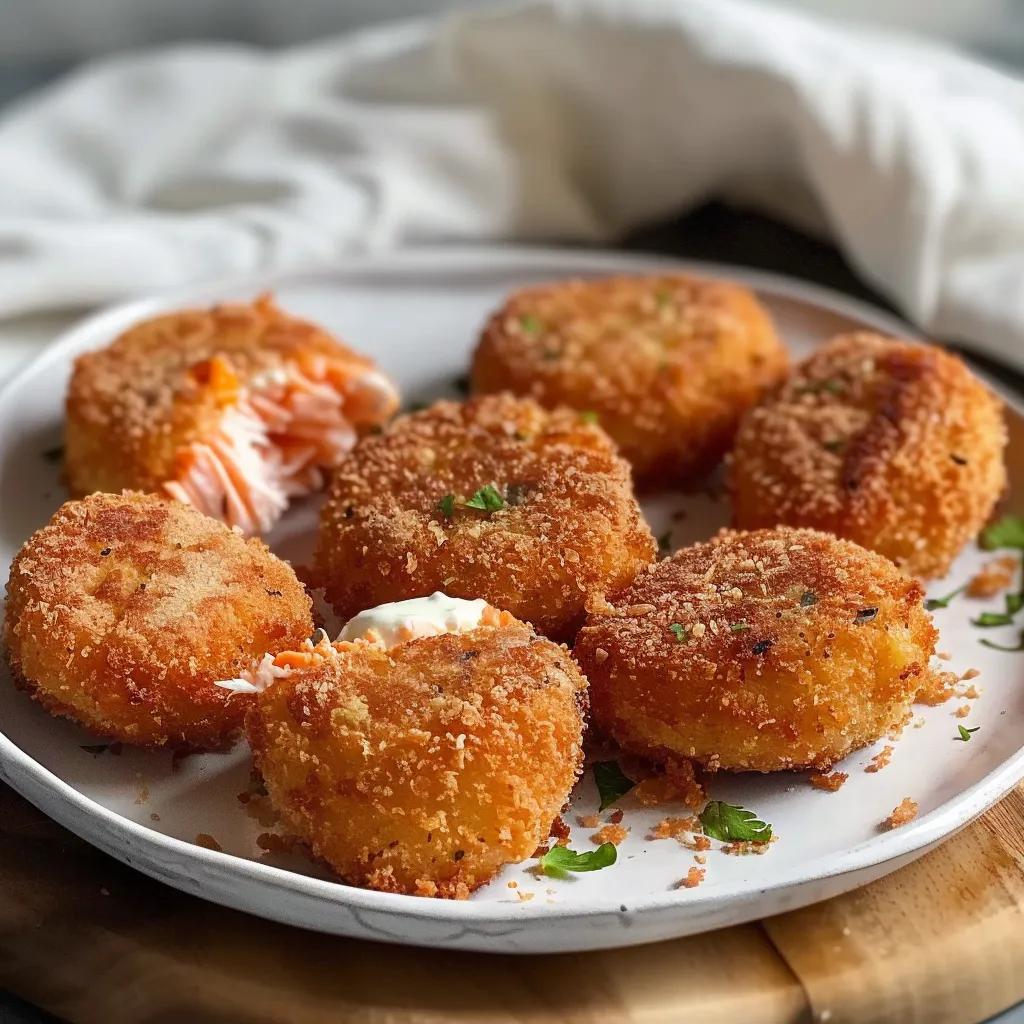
667,363
888,443
125,610
778,649
495,498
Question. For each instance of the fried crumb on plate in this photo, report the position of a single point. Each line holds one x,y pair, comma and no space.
613,834
906,812
829,783
994,577
700,858
525,896
936,687
971,673
588,820
880,760
742,848
207,842
672,828
693,878
963,711
616,816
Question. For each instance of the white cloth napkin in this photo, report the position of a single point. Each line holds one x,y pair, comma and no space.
557,120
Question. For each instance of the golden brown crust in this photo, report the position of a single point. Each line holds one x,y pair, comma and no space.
888,443
763,651
133,404
575,529
426,768
668,362
124,609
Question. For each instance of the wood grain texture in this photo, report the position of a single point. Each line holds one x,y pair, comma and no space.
939,942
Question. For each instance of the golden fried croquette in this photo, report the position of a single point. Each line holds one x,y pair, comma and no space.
758,651
888,443
495,498
423,768
124,610
234,410
668,363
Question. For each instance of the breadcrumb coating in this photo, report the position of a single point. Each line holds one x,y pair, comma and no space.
424,769
778,649
396,524
124,610
668,363
891,444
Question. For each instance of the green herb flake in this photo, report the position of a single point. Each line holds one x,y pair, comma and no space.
680,632
965,734
986,620
1014,603
739,627
612,783
662,299
731,824
1008,532
530,324
54,455
560,859
447,506
999,647
807,598
943,602
589,416
487,499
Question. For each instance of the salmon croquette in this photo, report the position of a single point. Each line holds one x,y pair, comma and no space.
234,410
668,363
422,766
778,649
891,444
125,610
496,499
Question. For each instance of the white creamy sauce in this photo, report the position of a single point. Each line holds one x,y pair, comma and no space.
399,621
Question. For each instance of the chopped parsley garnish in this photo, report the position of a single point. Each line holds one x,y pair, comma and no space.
447,506
807,598
560,859
54,454
680,631
612,783
739,627
662,299
943,602
999,647
665,543
461,384
1008,532
731,824
488,499
965,734
589,416
989,619
1014,603
530,324
865,615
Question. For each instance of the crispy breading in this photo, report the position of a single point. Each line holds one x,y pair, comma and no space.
425,768
891,444
569,526
124,610
667,362
764,651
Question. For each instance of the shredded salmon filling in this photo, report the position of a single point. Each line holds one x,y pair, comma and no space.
276,437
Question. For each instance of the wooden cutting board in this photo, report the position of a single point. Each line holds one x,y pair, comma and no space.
941,940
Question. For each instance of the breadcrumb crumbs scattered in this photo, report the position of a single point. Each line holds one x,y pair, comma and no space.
907,811
971,693
693,878
919,723
541,850
671,828
207,842
154,817
700,858
879,761
963,711
610,834
615,817
560,831
830,783
937,687
678,785
525,896
994,577
943,655
143,794
588,820
741,848
701,843
971,673
513,885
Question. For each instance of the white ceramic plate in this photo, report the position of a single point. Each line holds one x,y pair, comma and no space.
418,312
